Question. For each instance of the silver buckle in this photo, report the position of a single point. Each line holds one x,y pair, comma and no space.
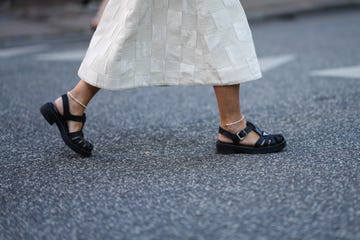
241,138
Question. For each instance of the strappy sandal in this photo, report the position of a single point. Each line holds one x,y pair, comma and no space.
267,143
75,140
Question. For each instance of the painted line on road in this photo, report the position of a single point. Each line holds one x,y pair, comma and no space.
73,55
345,72
269,63
19,51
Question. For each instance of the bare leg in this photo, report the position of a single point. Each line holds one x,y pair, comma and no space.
96,19
84,92
228,99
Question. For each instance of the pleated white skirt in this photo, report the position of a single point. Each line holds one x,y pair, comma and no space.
170,42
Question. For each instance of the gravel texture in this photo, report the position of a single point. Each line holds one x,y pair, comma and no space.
154,173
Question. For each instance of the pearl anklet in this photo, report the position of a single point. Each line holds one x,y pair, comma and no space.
236,122
76,100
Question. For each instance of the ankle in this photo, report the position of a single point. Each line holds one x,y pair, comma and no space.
236,127
233,126
77,98
75,108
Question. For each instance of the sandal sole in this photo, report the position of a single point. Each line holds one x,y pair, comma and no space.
229,148
51,116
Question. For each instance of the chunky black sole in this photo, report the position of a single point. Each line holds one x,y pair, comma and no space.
230,148
52,116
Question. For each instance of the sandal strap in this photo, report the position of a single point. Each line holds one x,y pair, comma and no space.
240,136
67,115
266,140
78,139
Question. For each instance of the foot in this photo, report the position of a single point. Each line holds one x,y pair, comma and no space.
74,109
249,140
69,124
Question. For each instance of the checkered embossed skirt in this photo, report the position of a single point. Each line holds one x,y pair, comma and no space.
170,42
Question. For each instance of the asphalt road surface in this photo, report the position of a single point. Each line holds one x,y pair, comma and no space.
154,173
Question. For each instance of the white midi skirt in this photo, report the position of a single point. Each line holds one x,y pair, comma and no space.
170,42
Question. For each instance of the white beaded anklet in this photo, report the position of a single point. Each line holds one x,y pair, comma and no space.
76,100
236,122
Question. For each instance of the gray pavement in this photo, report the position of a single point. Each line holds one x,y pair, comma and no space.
154,173
271,8
33,18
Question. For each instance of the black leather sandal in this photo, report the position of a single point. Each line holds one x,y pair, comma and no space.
75,140
267,143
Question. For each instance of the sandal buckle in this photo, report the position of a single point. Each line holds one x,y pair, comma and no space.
244,133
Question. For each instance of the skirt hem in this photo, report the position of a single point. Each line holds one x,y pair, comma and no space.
154,84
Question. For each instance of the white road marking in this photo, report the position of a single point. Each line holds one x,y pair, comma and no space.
18,51
74,55
269,63
345,72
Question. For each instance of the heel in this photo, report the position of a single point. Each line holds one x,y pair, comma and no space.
48,112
